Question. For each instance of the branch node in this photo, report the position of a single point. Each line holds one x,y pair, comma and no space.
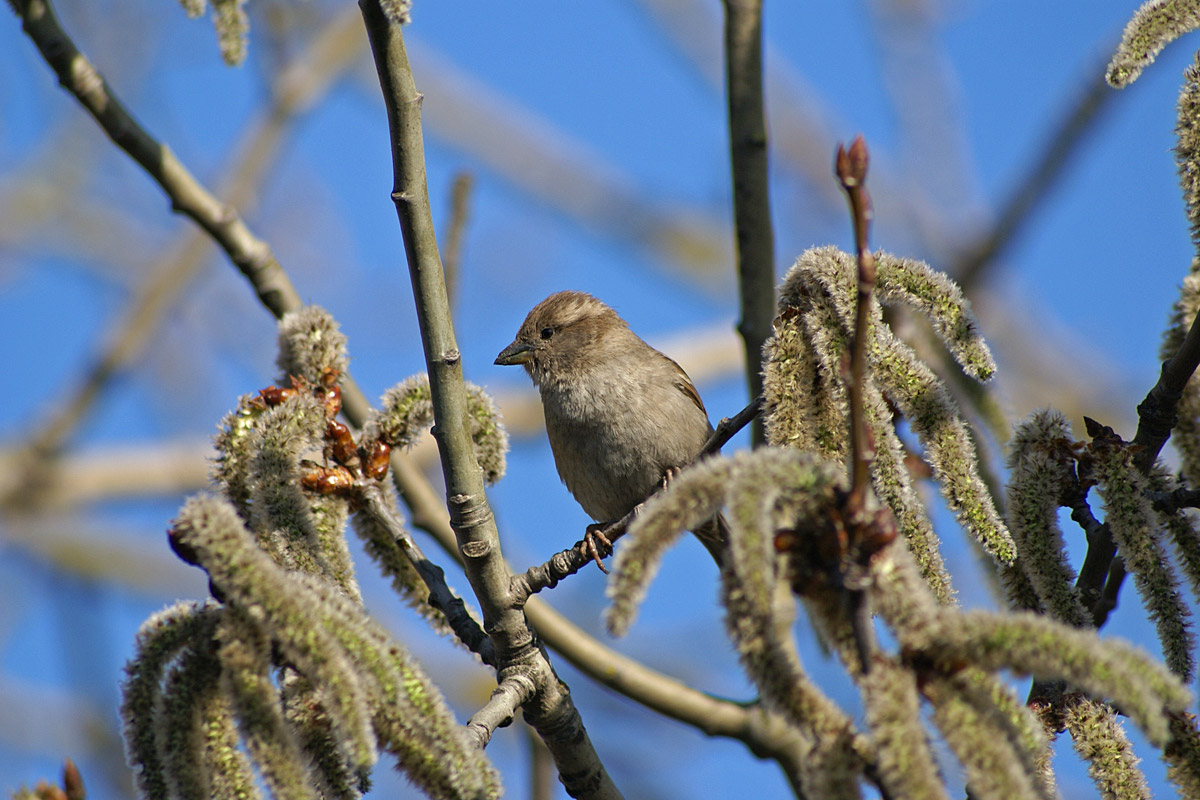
476,549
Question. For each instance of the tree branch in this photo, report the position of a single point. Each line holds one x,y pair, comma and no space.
251,255
751,199
441,597
550,711
307,77
1157,412
1102,572
512,692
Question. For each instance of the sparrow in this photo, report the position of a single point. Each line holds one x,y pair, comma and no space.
621,416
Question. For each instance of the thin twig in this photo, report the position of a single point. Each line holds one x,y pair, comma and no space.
1089,583
728,427
251,255
751,198
509,695
1180,498
441,596
541,768
1112,590
851,167
1100,578
1157,413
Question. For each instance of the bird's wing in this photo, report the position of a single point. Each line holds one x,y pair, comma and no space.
685,385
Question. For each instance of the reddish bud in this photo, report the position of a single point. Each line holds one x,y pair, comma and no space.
376,463
341,440
333,400
328,480
841,164
73,782
859,159
850,165
274,395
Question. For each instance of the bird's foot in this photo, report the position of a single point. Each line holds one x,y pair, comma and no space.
669,475
596,544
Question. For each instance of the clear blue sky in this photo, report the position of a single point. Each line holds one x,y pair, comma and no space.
603,86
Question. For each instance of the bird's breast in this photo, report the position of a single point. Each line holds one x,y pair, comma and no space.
613,440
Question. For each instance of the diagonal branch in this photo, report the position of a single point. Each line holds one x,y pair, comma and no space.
251,255
307,77
566,563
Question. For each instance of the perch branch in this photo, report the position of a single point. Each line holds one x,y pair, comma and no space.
568,562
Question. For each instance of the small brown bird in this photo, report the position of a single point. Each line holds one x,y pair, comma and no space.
621,416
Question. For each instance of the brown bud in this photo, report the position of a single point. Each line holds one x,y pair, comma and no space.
332,400
274,395
342,445
376,463
859,159
73,782
841,165
327,480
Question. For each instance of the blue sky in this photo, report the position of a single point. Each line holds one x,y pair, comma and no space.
628,112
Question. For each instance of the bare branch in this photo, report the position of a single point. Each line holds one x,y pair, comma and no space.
309,75
751,201
550,711
441,597
513,691
251,255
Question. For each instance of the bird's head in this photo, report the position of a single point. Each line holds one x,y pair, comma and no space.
563,336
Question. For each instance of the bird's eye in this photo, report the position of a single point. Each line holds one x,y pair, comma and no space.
547,333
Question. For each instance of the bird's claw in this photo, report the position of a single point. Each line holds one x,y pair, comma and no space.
596,544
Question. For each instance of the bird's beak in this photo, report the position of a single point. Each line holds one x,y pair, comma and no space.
515,353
